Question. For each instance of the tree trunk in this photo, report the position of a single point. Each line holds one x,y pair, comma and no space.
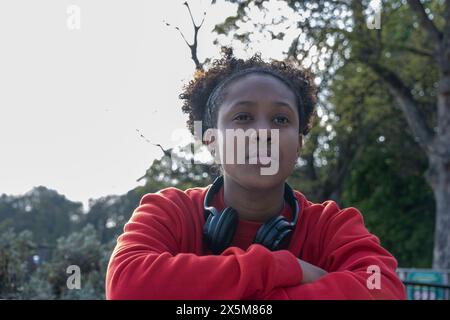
439,160
436,144
438,176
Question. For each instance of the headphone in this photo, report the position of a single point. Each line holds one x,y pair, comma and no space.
219,228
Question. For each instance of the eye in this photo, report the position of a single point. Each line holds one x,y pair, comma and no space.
242,117
281,120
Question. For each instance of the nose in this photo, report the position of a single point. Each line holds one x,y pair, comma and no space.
262,126
261,130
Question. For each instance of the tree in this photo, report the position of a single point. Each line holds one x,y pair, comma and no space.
386,179
16,251
338,31
44,212
84,250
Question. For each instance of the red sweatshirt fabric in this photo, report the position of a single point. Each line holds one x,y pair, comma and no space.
161,255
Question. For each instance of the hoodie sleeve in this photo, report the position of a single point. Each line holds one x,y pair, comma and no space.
351,256
147,263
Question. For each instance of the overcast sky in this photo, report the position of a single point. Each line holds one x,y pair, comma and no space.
72,99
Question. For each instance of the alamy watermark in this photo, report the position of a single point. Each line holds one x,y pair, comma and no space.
374,22
374,280
73,21
74,280
235,146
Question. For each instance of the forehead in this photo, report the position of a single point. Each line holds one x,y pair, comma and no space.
259,87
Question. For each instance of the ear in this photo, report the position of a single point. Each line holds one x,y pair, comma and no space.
209,139
211,146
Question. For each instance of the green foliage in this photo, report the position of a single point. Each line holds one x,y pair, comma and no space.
397,205
49,214
21,279
16,251
61,241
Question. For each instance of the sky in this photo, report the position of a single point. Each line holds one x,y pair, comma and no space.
78,78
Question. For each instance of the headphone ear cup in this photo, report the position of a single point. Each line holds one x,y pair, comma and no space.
274,234
282,238
222,230
210,225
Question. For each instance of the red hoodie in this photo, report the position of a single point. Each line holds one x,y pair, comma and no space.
161,255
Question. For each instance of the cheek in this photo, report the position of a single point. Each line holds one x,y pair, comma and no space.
223,144
289,145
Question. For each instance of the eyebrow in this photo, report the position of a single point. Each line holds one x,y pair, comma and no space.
253,103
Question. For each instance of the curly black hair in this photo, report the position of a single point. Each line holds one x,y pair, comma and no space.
197,92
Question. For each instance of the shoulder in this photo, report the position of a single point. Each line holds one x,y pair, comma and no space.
327,227
172,201
327,211
327,218
173,195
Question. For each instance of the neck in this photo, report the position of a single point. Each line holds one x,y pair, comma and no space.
253,204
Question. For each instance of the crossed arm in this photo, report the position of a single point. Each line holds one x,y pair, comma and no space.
147,264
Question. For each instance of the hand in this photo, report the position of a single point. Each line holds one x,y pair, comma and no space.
311,273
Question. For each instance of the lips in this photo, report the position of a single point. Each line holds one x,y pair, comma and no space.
260,161
255,155
263,160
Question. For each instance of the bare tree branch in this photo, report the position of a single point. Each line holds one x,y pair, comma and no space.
418,51
433,32
447,27
408,104
165,151
194,45
293,48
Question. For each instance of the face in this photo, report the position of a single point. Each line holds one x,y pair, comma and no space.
259,101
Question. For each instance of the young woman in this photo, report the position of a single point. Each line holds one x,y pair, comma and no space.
249,235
